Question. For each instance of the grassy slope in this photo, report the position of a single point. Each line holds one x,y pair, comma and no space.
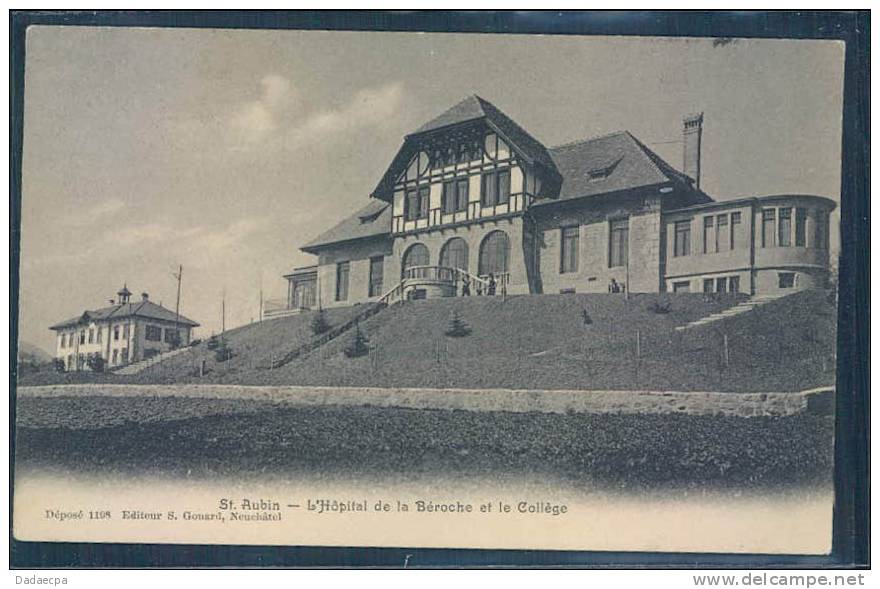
541,342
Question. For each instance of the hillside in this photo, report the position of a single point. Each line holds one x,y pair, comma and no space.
542,342
537,342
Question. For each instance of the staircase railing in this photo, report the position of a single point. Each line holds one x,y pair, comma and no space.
327,336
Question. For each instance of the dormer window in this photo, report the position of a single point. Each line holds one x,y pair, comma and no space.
603,171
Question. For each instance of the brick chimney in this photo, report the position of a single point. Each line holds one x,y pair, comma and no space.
692,136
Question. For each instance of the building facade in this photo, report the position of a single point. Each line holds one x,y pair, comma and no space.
120,334
472,198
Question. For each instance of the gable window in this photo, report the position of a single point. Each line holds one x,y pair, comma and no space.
569,251
618,250
722,239
708,235
377,270
785,227
342,272
768,224
800,227
417,202
682,238
153,333
735,223
495,188
455,195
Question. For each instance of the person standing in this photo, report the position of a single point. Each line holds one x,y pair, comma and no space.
466,286
490,289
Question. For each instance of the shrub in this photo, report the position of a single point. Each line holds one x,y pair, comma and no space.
213,342
660,307
359,346
194,343
223,352
319,322
457,326
96,363
58,365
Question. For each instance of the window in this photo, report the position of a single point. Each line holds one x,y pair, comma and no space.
91,336
768,223
684,286
98,335
416,255
462,194
377,270
722,239
735,222
682,238
172,336
124,355
785,227
821,225
569,251
116,333
455,195
63,340
342,271
708,235
618,251
708,285
495,188
125,331
786,280
733,283
417,203
454,254
721,284
800,227
494,253
82,337
115,356
153,333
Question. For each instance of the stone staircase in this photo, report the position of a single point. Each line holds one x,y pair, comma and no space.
138,367
739,309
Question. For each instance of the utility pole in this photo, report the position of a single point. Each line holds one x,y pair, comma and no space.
223,316
179,277
261,298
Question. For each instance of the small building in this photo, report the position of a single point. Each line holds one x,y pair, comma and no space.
471,198
120,334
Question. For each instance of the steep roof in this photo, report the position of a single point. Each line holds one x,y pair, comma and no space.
610,163
472,108
146,309
371,221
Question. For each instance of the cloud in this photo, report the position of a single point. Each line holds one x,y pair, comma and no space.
259,117
105,208
273,120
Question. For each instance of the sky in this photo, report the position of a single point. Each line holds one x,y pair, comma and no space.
225,150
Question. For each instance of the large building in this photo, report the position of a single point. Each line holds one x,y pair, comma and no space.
472,195
120,334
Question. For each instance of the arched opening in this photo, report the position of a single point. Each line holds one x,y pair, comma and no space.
416,255
455,254
494,254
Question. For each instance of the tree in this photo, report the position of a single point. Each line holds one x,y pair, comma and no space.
360,344
96,363
319,323
457,326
